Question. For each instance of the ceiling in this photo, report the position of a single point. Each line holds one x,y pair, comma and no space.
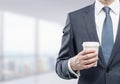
55,10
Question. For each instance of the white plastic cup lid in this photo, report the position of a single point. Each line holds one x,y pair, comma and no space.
90,44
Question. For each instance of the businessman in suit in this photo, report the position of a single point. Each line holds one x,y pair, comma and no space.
98,22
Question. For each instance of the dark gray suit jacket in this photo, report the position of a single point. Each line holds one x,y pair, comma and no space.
81,27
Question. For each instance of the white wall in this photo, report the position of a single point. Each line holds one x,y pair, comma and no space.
55,10
1,44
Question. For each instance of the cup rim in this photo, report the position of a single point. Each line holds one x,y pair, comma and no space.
90,44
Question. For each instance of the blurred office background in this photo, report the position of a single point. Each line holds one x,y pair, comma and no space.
30,38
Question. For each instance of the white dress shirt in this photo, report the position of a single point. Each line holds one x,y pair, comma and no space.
99,19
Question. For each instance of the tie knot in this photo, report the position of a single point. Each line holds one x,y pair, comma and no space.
106,10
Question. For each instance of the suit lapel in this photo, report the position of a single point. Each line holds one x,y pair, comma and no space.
91,29
116,46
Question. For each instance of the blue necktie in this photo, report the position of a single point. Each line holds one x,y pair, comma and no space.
107,35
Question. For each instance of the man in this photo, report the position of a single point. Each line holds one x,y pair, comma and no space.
98,22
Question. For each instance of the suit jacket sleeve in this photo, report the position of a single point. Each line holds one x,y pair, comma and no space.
66,52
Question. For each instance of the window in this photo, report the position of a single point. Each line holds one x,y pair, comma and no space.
49,41
19,45
30,46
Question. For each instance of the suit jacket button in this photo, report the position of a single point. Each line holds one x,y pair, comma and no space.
107,70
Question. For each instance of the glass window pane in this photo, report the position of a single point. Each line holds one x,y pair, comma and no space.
1,45
49,44
19,45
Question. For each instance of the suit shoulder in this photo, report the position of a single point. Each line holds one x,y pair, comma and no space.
80,11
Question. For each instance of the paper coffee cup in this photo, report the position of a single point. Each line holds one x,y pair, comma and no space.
91,46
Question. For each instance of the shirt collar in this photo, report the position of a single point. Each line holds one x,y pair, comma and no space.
114,6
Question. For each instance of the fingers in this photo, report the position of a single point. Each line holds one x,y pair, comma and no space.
89,66
87,52
84,60
89,56
90,61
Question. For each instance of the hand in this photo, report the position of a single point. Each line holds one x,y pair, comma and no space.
84,60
